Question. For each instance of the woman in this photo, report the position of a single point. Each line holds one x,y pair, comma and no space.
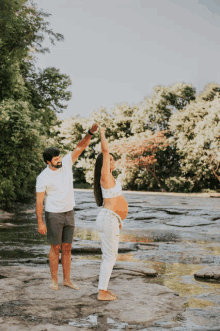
107,190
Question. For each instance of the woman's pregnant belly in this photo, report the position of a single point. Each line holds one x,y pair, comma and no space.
118,204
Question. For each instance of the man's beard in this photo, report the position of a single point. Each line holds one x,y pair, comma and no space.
57,166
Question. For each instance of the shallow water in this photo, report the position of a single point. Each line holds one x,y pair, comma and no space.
186,230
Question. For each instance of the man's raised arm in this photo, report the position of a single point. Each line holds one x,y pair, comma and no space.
83,143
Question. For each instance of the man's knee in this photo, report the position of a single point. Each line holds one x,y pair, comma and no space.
56,248
66,247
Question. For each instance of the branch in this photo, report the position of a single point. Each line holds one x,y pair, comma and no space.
218,177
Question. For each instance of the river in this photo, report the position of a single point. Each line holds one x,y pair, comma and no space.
185,230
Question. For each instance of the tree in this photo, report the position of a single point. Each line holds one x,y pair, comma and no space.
29,99
22,31
21,151
159,107
185,159
196,132
138,154
46,91
22,28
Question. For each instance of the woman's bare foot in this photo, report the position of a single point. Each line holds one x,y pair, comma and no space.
106,296
114,295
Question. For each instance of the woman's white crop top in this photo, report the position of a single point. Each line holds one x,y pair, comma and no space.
112,192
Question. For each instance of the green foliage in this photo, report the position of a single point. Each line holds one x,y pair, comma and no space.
23,27
179,184
22,31
21,150
46,91
29,98
165,101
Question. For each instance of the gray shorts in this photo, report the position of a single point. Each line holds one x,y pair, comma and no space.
60,227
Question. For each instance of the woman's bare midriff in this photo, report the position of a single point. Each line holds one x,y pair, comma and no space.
118,204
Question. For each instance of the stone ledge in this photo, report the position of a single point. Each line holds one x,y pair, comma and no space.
27,301
208,273
85,247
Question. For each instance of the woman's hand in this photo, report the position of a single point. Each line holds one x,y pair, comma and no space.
102,129
94,127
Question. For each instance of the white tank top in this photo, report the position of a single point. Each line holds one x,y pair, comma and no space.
112,192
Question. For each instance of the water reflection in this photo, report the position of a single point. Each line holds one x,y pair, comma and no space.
91,234
177,277
101,321
180,278
199,303
86,234
214,249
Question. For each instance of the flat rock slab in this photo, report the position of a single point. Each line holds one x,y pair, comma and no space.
26,302
147,247
94,247
189,221
135,268
4,215
145,216
208,273
7,225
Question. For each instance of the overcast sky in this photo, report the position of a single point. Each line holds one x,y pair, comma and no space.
117,50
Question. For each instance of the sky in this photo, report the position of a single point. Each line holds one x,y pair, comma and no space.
117,51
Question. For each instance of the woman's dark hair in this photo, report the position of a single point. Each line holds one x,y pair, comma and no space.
97,177
49,153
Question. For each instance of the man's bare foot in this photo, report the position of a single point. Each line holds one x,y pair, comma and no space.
54,285
106,296
70,284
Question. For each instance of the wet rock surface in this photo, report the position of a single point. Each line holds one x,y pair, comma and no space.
165,241
5,215
28,297
209,273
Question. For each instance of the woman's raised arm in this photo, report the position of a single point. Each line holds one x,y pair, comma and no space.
106,158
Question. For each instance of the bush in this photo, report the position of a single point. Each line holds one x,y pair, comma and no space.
179,184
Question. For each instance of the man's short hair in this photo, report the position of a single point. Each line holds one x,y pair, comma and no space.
49,153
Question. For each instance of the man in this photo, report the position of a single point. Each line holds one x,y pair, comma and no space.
55,184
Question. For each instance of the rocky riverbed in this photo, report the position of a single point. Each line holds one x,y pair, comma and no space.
167,273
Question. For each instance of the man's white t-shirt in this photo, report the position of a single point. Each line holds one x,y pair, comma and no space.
58,187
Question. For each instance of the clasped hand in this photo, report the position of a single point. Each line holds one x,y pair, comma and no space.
94,127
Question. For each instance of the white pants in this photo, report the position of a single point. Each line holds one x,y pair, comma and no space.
107,224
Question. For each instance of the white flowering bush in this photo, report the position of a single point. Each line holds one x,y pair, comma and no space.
189,160
196,132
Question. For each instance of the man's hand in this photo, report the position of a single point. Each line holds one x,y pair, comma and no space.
94,127
42,228
83,143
